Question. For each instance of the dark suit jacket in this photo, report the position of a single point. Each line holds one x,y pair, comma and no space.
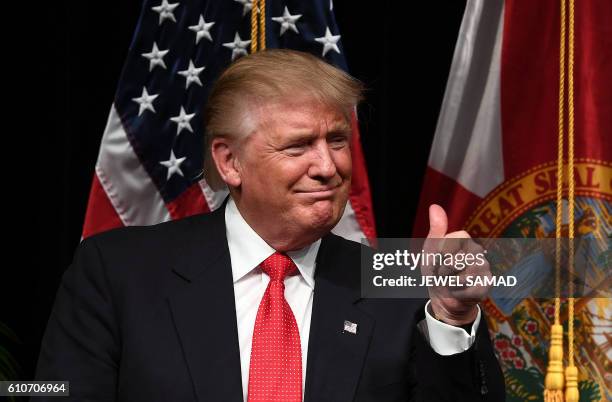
148,314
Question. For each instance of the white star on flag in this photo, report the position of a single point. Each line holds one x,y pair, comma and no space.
191,74
156,57
173,164
202,30
238,46
182,121
287,21
165,11
329,42
145,101
247,5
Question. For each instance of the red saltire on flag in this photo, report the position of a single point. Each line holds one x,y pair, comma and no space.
493,165
148,164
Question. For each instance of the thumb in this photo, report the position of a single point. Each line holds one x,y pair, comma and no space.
438,221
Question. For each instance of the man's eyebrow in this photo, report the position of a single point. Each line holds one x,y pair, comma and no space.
342,127
338,128
304,133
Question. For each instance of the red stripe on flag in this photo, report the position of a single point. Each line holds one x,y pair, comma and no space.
101,214
594,79
360,198
529,84
190,202
456,200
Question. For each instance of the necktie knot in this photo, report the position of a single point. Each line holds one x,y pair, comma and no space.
278,266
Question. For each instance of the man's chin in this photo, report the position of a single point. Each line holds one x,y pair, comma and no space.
323,215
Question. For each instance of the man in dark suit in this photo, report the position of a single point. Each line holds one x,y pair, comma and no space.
258,301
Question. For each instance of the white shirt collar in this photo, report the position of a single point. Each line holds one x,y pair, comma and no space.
248,250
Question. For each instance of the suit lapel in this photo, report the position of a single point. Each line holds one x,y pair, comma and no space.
204,311
336,356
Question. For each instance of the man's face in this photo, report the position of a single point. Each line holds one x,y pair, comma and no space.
295,171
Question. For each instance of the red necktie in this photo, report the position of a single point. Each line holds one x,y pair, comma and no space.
275,373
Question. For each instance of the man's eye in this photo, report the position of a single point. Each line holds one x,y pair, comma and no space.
338,142
295,149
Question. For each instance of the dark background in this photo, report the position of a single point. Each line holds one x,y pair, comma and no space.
401,50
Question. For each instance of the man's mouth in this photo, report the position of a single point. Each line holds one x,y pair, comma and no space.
319,192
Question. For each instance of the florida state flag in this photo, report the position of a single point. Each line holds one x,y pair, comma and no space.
493,166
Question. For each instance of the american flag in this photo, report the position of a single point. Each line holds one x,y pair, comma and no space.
151,154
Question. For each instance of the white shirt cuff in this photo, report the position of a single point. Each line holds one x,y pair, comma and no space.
446,339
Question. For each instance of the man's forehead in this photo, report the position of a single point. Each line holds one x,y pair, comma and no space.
303,115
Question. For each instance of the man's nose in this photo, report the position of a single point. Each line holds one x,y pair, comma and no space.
322,166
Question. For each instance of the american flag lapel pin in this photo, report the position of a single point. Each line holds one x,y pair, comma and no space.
350,327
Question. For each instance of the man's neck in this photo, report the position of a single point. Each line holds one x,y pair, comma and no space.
283,240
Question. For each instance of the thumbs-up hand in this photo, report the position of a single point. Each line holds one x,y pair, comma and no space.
454,305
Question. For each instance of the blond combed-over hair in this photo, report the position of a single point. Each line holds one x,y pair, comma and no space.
269,77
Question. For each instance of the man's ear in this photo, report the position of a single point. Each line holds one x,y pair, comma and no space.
223,153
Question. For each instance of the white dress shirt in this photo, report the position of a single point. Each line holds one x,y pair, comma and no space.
247,250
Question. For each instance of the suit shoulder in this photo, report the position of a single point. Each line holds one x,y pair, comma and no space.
346,248
343,244
341,258
150,250
162,232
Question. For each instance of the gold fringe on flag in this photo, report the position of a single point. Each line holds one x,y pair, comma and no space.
554,380
262,24
258,25
254,26
571,372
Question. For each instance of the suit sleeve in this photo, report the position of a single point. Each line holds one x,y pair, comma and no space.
81,343
470,376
